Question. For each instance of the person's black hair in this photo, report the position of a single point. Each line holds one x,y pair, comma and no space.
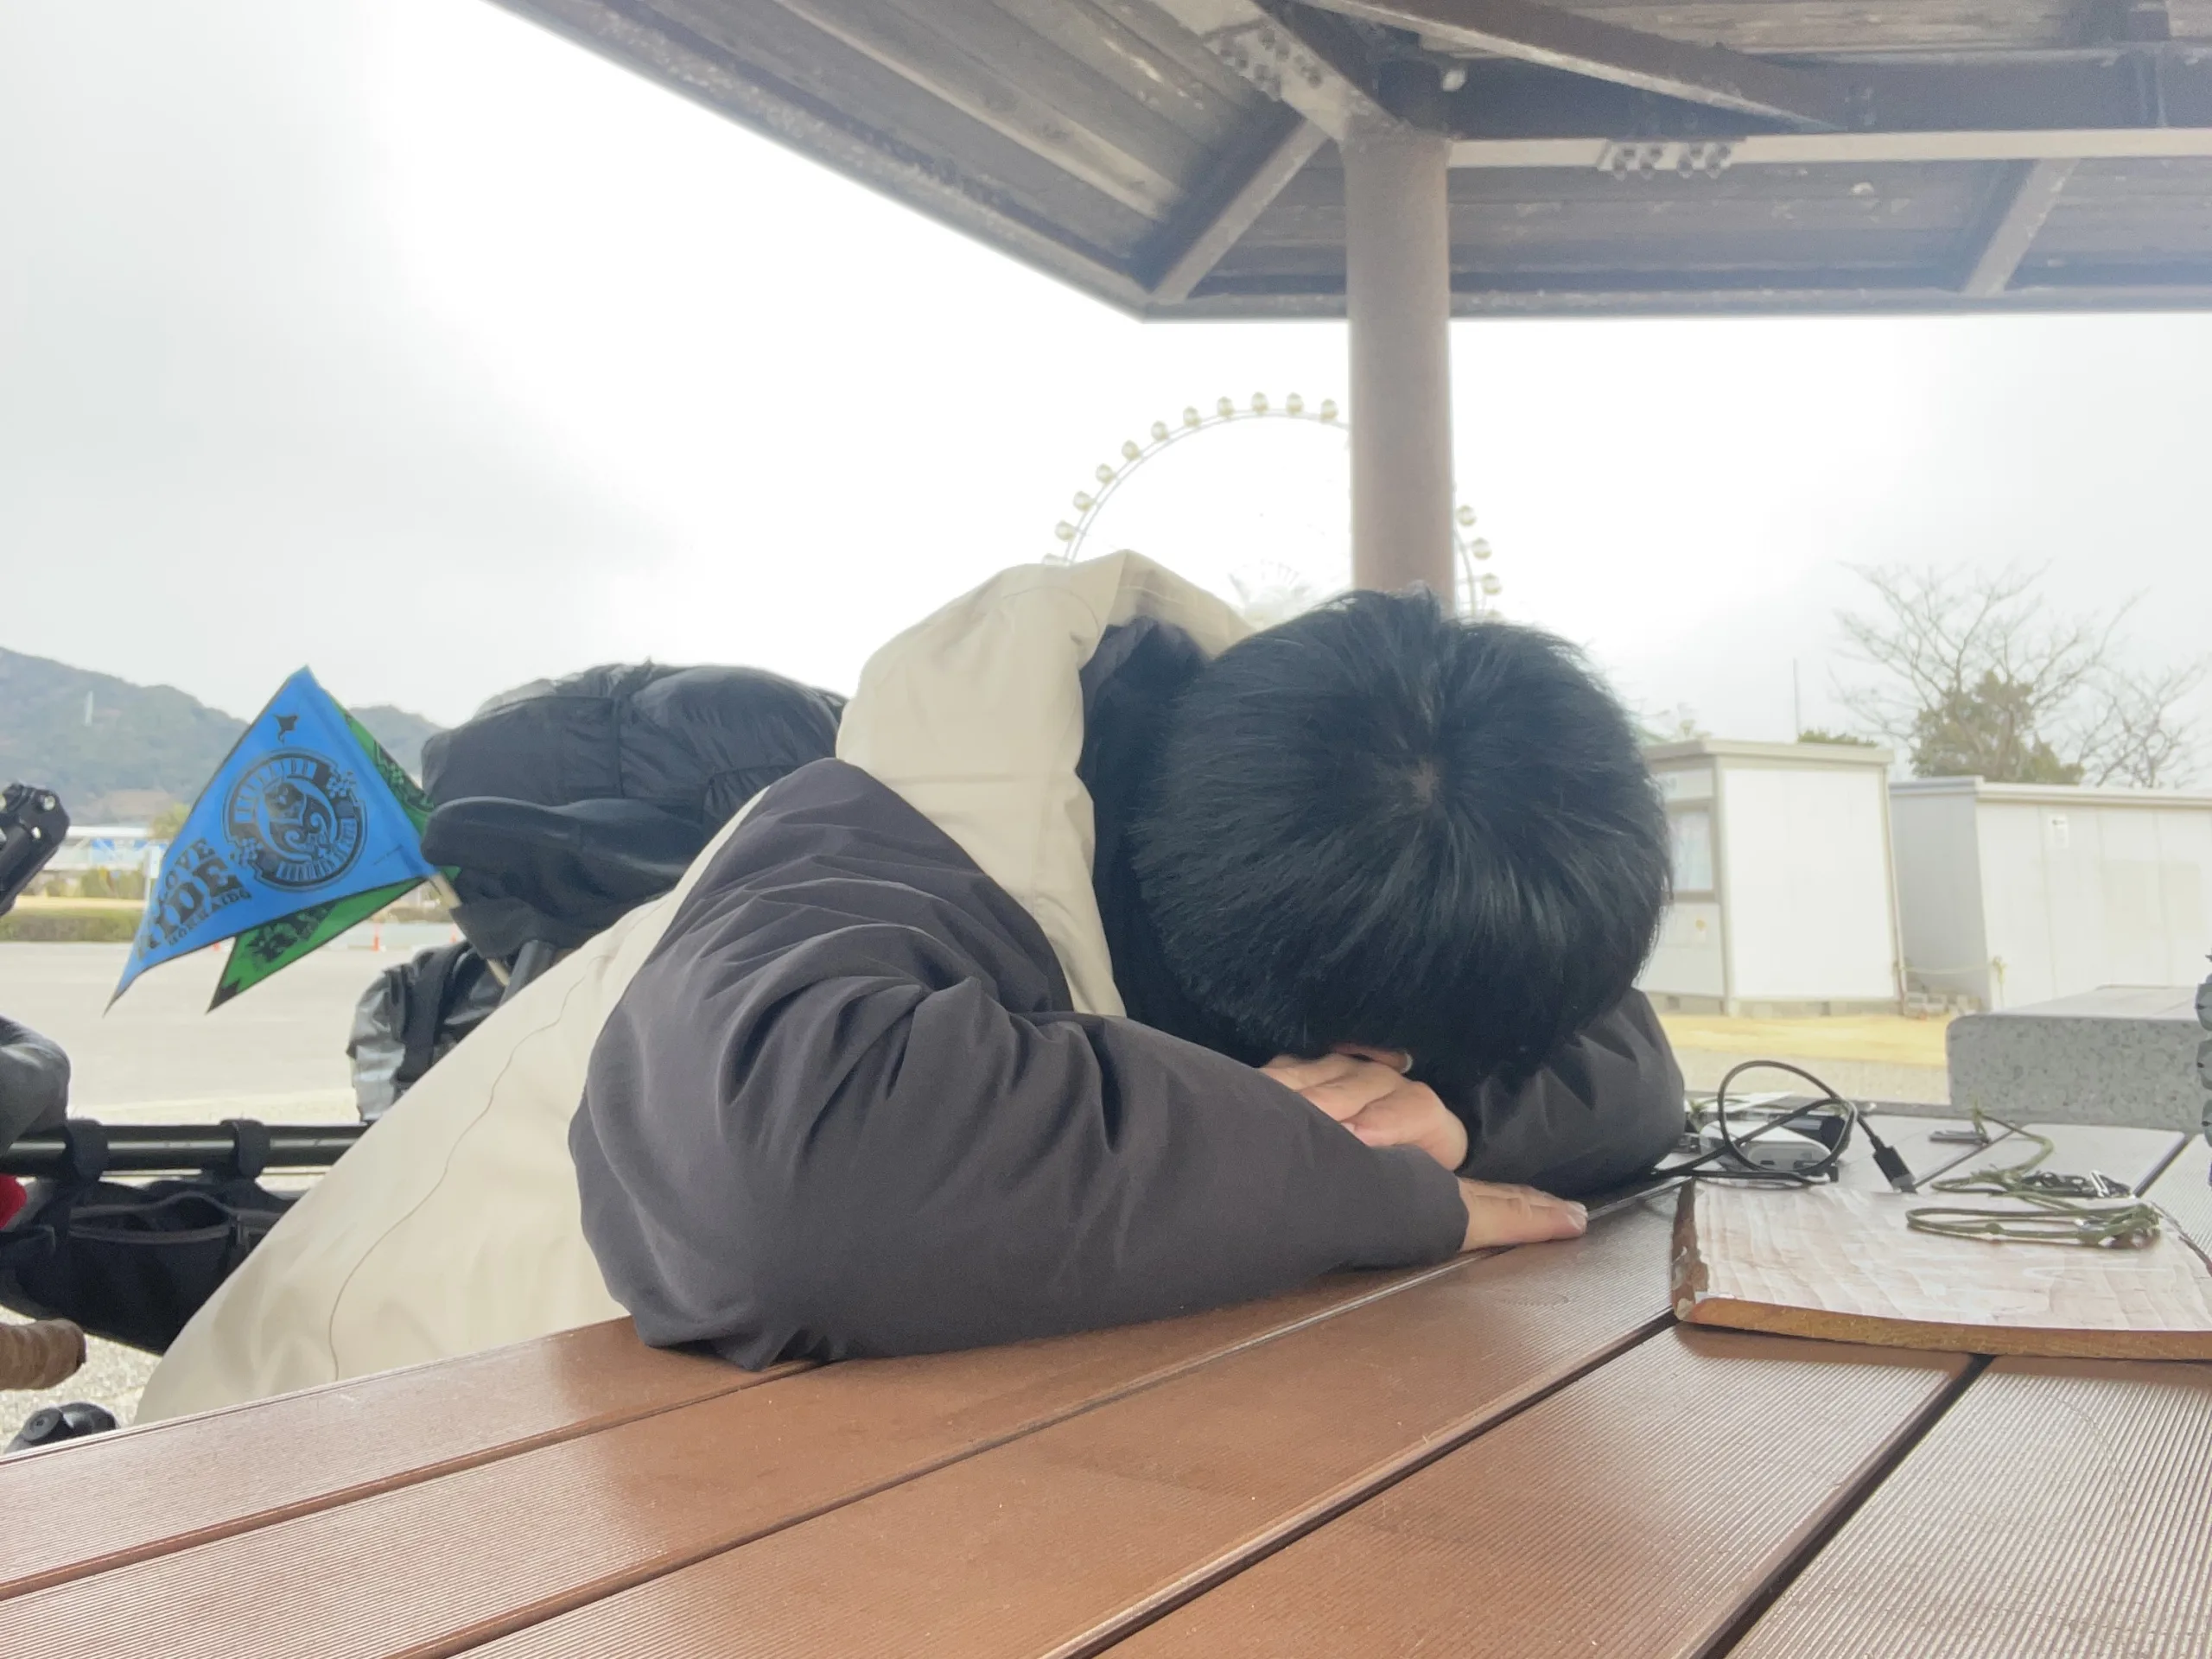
1378,824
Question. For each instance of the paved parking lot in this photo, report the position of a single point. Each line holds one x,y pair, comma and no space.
276,1053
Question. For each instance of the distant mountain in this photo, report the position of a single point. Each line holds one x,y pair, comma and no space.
115,752
400,732
109,748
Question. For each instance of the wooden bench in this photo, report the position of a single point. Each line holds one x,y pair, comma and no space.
1516,1454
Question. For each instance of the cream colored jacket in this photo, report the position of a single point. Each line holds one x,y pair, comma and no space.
453,1225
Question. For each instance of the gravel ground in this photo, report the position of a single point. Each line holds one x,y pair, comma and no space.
1929,1085
112,1376
1868,1056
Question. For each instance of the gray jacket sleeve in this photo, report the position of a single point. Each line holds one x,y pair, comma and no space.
843,1110
1599,1115
34,1082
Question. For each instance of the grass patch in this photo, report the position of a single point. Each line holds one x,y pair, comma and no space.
65,924
1884,1038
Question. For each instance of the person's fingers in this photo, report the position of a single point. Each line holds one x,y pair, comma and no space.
1377,1104
1339,1084
1302,1072
1517,1215
1396,1058
1412,1116
1344,1098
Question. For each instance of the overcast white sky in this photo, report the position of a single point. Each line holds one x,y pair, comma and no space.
400,338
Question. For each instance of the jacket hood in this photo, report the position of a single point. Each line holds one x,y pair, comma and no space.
973,716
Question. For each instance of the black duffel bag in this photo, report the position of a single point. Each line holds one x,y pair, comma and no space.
134,1263
410,1018
560,807
564,804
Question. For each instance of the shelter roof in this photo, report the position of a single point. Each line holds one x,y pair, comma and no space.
1173,156
1691,749
2056,795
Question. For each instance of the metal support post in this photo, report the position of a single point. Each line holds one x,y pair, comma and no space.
1398,282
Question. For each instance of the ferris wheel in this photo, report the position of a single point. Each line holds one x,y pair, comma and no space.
1478,589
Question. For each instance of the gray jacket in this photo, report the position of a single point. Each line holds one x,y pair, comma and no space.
847,1108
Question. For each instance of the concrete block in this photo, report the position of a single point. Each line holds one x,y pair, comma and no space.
2123,1055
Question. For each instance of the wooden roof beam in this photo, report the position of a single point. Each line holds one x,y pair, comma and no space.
1584,45
1216,218
709,74
2138,101
2029,193
1838,149
2168,287
1311,63
1027,112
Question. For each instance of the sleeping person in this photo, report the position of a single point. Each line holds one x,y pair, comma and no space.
1120,965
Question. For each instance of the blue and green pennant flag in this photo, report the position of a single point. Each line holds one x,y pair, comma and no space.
260,951
307,828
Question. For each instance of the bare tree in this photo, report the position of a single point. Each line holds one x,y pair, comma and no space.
1973,675
2137,734
1676,723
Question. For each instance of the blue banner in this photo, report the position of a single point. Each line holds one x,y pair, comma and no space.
297,816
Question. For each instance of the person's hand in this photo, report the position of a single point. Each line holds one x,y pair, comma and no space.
1517,1215
1366,1090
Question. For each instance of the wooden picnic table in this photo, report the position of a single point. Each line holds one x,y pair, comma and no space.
1520,1453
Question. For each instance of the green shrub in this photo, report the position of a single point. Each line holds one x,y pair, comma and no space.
67,927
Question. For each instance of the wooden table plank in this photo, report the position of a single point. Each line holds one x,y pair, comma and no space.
2123,1154
1848,1266
2135,1156
100,1502
1058,1541
2063,1508
421,1569
1639,1511
2183,1190
1927,1158
1914,1138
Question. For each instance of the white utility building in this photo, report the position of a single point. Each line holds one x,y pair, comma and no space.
2015,893
108,847
1784,899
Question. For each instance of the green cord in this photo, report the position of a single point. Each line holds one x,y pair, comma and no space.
2073,1209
